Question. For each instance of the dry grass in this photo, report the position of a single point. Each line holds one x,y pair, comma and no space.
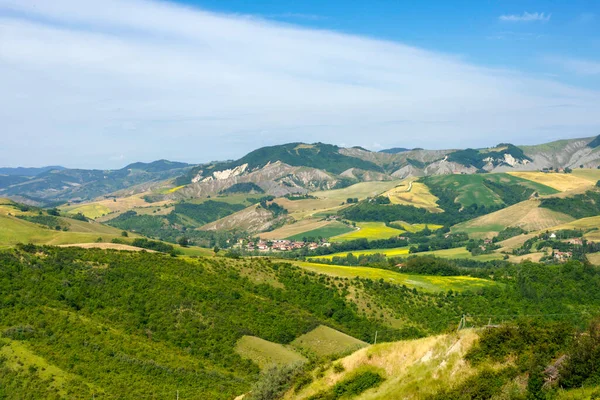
594,258
102,208
526,215
415,194
535,257
413,369
558,181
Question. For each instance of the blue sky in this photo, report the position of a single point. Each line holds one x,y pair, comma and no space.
102,83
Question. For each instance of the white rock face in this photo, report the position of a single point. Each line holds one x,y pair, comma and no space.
228,173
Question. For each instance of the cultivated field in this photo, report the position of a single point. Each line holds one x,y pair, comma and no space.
325,341
102,208
296,228
425,282
369,230
265,353
559,181
332,229
526,215
396,252
413,228
415,194
457,253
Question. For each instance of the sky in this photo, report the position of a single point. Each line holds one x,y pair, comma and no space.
103,83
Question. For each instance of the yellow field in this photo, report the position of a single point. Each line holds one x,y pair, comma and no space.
594,258
400,251
426,282
559,181
413,194
413,228
265,353
294,229
526,215
369,230
360,190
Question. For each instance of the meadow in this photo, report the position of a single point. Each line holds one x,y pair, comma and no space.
413,193
265,353
326,341
559,181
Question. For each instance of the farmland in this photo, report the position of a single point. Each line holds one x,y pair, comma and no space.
559,181
415,194
456,253
332,229
425,282
526,215
370,231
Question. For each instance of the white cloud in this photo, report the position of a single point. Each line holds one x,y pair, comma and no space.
526,17
153,80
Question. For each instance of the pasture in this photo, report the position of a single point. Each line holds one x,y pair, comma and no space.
332,229
425,282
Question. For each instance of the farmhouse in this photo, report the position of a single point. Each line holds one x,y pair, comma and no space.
562,255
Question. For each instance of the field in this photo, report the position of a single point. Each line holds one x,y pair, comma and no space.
330,230
425,282
526,215
102,208
413,193
559,181
413,228
325,341
457,253
265,353
14,230
369,230
590,224
592,175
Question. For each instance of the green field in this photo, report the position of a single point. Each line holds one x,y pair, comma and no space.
330,230
425,282
369,230
265,353
456,253
325,341
92,210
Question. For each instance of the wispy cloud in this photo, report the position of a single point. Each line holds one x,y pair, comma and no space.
526,17
298,16
147,79
576,65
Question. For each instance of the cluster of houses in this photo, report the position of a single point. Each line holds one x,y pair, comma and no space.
283,245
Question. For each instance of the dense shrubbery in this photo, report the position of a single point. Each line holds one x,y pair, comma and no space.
153,245
206,212
577,206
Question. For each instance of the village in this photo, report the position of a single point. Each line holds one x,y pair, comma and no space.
278,245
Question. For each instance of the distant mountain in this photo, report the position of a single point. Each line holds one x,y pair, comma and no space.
62,185
28,171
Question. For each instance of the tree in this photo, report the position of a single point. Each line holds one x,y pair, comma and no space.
216,249
183,241
124,234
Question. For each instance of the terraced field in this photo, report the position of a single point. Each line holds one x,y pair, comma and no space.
370,231
415,194
559,181
424,282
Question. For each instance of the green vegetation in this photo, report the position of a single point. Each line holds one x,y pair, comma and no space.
578,206
265,353
475,158
351,386
243,187
369,231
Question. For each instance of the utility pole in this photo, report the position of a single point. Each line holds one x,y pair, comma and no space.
375,337
178,395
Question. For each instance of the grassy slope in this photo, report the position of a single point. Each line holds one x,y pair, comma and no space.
415,194
369,230
265,353
325,341
412,369
425,282
526,214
